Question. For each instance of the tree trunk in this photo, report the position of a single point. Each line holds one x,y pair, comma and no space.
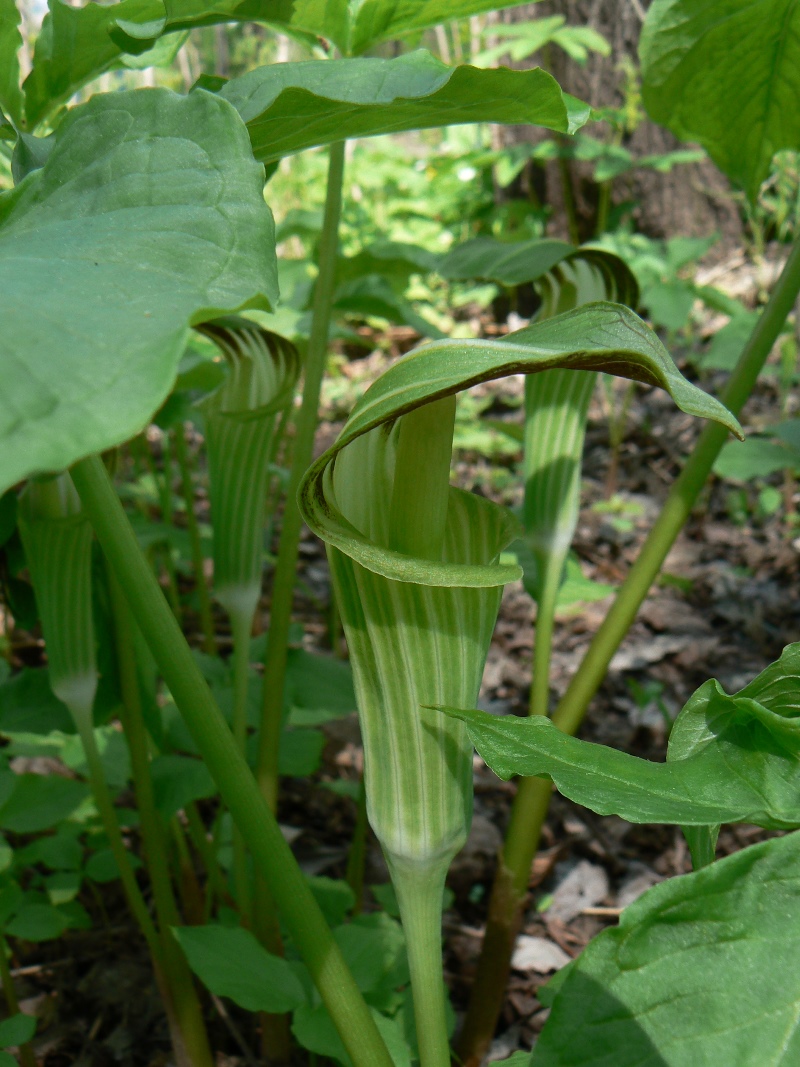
692,200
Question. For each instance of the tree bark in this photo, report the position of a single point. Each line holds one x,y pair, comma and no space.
692,200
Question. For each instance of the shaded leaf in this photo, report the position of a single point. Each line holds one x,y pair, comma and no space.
754,458
177,781
38,922
292,106
38,802
17,1029
725,73
148,216
508,263
10,41
701,970
231,963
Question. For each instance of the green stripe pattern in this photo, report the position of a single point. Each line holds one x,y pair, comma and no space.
557,403
239,420
58,547
410,645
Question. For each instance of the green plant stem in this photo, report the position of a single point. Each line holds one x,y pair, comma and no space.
184,1004
533,794
356,857
108,817
286,566
191,894
241,626
603,207
419,888
217,885
543,641
198,560
26,1056
239,791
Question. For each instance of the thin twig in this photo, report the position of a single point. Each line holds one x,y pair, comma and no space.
235,1032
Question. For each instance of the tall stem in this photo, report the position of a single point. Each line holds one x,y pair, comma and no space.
26,1056
108,817
198,560
419,888
533,794
543,641
239,791
286,566
187,1015
241,625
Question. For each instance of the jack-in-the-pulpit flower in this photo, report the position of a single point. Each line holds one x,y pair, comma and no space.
57,538
418,584
239,421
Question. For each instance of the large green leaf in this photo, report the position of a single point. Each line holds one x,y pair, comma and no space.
595,337
701,971
292,106
73,47
10,41
147,217
726,73
731,758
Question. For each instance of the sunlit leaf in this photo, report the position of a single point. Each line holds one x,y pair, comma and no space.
726,73
292,106
147,218
10,42
701,970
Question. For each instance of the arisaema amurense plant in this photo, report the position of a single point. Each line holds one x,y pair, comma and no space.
239,421
58,546
556,411
418,581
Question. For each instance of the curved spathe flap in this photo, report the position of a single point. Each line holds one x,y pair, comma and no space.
603,337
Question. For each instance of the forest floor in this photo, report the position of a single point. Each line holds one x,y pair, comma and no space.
724,608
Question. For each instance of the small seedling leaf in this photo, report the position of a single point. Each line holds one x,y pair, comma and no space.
38,802
231,963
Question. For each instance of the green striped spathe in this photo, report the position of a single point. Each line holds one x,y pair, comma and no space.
557,403
239,422
58,547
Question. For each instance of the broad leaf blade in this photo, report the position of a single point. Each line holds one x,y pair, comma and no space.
731,759
292,106
726,74
147,217
701,970
10,42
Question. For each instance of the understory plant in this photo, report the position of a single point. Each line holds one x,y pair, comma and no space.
139,216
415,563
